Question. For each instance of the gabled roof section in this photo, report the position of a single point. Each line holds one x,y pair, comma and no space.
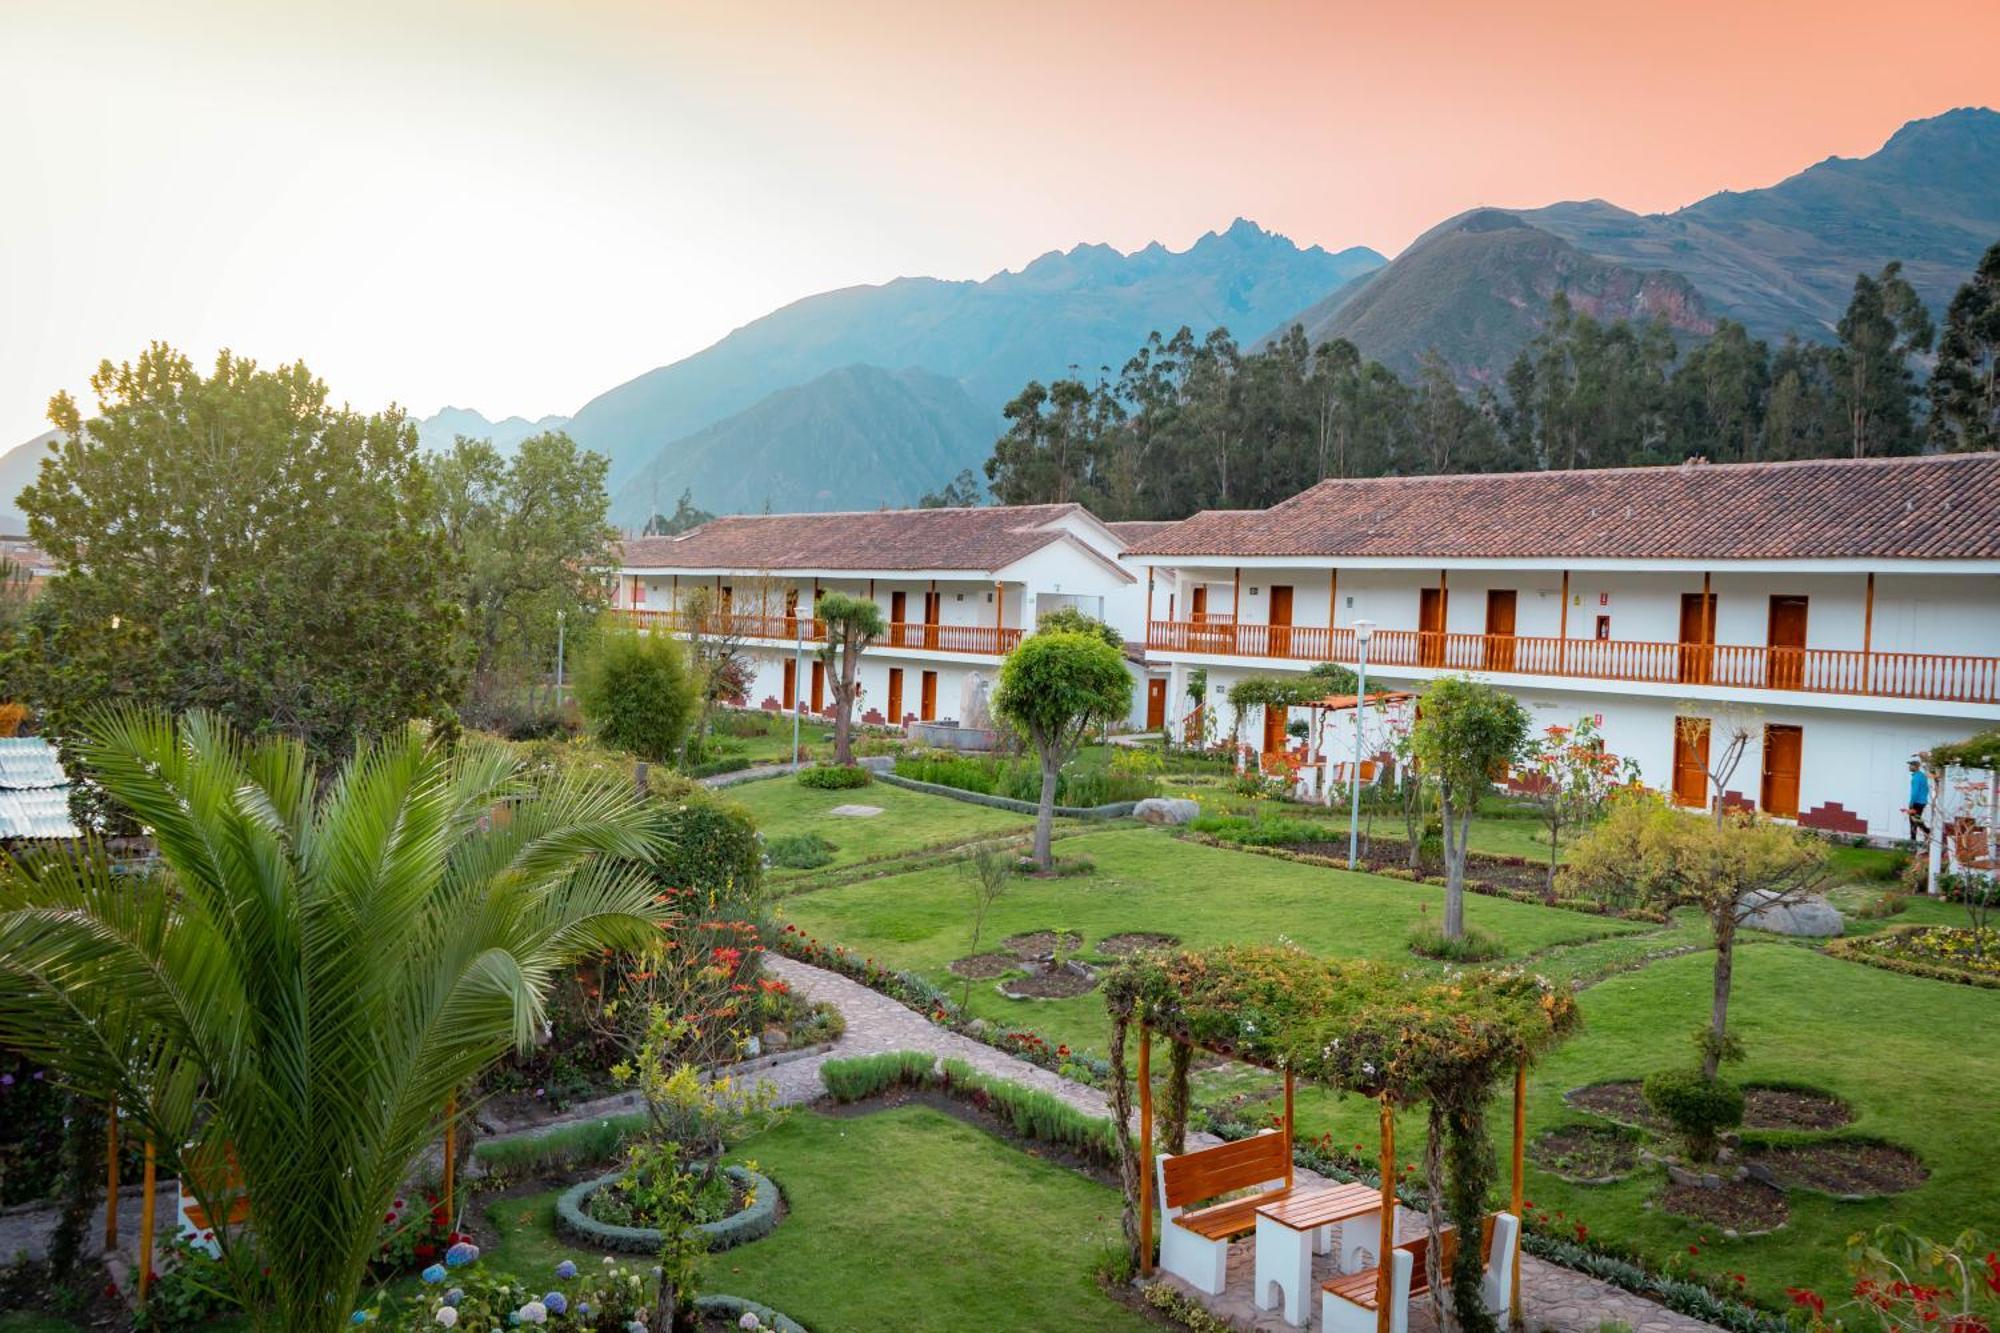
1132,530
974,539
1945,507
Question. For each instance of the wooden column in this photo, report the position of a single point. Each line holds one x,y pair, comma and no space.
146,1227
1149,604
1385,1246
1145,1150
1868,636
1520,1166
1562,630
111,1174
450,1159
1000,606
1332,600
1289,1140
1235,610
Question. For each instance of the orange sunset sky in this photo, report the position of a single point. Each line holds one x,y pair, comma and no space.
513,206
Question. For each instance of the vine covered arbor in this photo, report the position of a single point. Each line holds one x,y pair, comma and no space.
1379,1030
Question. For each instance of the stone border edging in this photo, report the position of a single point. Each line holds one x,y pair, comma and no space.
752,1223
720,1303
1115,810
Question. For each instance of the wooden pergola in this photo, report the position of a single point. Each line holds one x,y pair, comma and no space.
1348,1025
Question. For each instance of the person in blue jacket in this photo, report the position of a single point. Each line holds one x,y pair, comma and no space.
1920,799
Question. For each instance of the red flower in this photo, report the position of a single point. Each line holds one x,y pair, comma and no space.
1694,1249
1806,1298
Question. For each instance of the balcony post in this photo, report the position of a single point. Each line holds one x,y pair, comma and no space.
1236,612
1868,637
1562,629
999,611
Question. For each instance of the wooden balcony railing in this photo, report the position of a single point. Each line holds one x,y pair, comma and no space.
1957,679
991,640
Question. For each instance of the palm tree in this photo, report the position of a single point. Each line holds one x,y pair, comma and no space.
315,969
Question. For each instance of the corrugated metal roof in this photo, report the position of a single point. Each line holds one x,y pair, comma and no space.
28,763
43,813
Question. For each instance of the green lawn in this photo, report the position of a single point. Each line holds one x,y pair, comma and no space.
910,821
903,1219
1146,879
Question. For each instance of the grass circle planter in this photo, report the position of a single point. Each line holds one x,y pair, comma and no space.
735,1307
752,1223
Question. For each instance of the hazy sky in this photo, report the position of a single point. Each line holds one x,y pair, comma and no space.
513,205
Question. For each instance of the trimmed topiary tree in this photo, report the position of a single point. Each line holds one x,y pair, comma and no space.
1054,688
852,623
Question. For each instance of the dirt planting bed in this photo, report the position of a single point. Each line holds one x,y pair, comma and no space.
1036,945
1586,1154
984,966
1793,1108
1846,1169
1623,1103
1127,943
1746,1207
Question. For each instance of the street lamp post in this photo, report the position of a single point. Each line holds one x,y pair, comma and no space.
1362,629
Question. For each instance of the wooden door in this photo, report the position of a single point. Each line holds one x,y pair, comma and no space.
1156,704
1281,620
1691,761
1198,603
899,608
933,609
819,686
1697,638
1783,749
895,696
791,684
791,618
727,602
1274,729
1785,660
1430,627
929,708
1500,605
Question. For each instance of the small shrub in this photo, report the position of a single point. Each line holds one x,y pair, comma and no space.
861,1076
189,1290
1427,940
799,851
637,692
834,777
582,1144
1698,1107
711,845
1261,831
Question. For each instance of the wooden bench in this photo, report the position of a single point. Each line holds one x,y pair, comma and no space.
215,1176
1194,1242
1348,1303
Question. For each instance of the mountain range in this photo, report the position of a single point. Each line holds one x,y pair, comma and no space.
875,394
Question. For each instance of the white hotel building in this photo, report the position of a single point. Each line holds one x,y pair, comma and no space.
1845,613
958,588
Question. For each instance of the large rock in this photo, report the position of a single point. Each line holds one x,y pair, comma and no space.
1813,918
1165,810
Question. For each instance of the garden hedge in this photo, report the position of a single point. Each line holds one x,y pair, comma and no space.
735,1307
753,1223
1115,810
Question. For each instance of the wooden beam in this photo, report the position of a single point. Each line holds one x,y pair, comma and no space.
1385,1245
111,1174
146,1226
1332,597
1145,1150
1562,629
1868,617
1288,1130
1520,1171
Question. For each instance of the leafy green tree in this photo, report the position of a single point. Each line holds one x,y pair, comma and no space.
1570,775
685,517
1729,868
1965,386
1885,325
961,492
232,541
315,969
531,542
1466,735
1069,620
852,623
1720,394
1053,689
637,693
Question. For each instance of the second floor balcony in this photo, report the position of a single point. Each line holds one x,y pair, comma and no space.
978,640
1902,675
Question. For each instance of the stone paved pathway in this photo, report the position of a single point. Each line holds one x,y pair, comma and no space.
1557,1298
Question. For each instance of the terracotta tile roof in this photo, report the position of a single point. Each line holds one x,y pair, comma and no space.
1941,508
983,539
1134,530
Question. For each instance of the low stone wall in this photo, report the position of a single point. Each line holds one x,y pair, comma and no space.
753,1223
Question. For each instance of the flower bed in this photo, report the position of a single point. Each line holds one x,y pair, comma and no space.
754,1221
1942,953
